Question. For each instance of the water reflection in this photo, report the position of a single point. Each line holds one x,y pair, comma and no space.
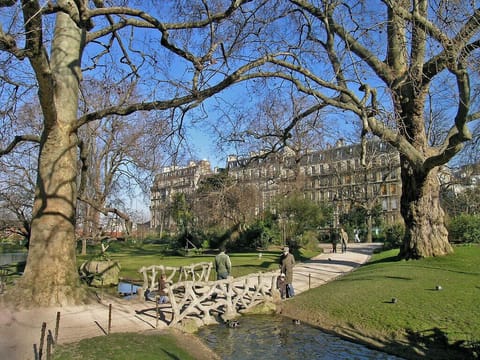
276,337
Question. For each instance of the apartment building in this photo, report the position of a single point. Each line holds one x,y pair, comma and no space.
335,176
170,181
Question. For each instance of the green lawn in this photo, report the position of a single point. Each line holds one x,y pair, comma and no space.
132,258
125,346
432,323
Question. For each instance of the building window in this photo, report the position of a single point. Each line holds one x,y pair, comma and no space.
393,189
384,205
394,204
383,189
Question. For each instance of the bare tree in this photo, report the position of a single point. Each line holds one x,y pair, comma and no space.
386,64
179,55
223,203
118,155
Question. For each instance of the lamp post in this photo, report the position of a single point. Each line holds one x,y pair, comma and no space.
335,211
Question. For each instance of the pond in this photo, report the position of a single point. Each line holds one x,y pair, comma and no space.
12,258
275,337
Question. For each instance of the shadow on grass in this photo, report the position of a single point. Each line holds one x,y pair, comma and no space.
332,261
430,344
390,259
433,343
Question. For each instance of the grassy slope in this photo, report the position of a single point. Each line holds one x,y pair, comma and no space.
169,344
423,323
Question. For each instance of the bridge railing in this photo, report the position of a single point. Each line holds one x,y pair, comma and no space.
194,272
228,297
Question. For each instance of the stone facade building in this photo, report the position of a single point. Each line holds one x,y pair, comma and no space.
334,176
173,180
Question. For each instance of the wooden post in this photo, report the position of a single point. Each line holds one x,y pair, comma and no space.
157,299
42,339
309,280
49,345
57,326
109,318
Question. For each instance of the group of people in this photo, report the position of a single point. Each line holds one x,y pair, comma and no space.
223,266
340,236
285,280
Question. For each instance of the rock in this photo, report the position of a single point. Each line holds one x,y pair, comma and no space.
264,308
101,272
190,325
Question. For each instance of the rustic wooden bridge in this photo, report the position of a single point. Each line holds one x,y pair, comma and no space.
193,296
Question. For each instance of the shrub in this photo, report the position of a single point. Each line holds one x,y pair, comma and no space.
464,228
394,236
309,240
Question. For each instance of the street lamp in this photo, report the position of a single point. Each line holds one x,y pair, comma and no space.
335,211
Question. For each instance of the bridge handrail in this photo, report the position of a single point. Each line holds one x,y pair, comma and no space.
195,272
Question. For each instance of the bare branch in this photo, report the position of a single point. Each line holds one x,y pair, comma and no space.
17,140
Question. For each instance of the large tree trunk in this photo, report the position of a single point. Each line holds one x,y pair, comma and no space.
425,231
51,276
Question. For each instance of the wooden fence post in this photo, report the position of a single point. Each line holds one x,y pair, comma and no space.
57,326
42,339
157,299
109,318
49,345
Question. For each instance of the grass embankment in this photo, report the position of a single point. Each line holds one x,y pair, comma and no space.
423,322
170,344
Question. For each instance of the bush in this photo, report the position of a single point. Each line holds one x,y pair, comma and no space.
464,228
309,240
394,236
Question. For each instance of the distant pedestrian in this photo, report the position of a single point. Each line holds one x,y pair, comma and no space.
223,265
356,233
287,262
163,289
334,239
282,285
343,239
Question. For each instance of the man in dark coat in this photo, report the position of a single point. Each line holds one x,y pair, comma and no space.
287,262
223,266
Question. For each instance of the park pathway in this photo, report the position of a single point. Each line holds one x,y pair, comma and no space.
20,330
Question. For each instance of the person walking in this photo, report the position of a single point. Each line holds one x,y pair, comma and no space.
223,265
334,239
357,237
343,239
287,262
